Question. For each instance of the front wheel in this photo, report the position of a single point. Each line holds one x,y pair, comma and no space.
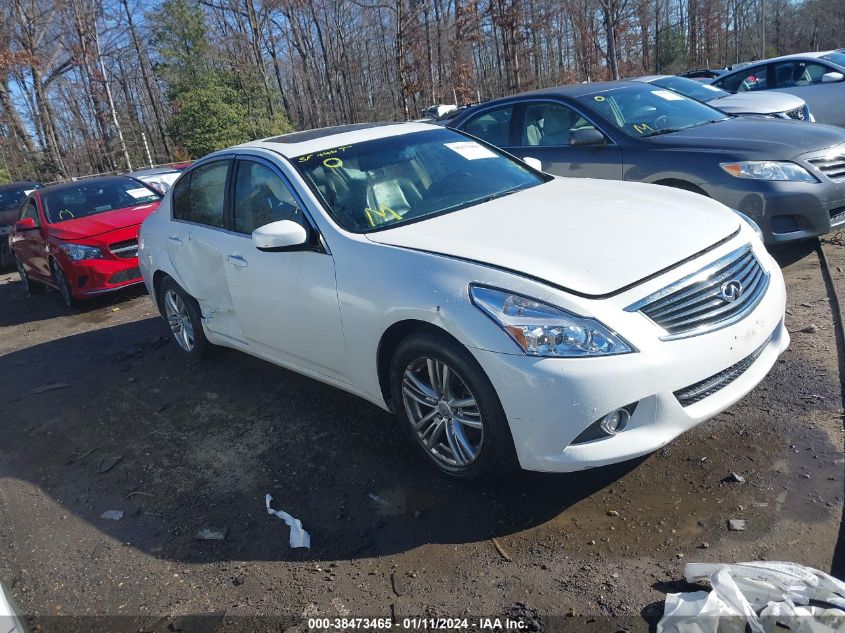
63,285
450,409
183,316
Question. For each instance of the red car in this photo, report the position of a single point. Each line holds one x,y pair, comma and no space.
82,237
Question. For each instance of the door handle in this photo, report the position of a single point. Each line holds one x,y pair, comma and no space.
175,240
237,260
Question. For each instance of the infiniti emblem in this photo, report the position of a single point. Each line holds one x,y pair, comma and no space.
731,290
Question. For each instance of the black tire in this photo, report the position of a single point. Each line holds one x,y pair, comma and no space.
62,284
199,346
495,455
29,286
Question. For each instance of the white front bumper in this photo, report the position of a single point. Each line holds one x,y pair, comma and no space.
550,401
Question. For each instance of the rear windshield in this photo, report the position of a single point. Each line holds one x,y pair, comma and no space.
391,181
11,197
86,198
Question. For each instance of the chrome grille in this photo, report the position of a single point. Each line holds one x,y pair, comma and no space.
707,387
718,295
125,249
831,166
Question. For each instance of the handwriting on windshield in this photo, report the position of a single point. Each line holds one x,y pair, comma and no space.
642,128
385,213
324,154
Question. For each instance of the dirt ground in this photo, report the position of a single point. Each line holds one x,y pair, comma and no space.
180,447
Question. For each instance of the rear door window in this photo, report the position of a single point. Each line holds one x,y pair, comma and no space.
493,126
202,199
746,80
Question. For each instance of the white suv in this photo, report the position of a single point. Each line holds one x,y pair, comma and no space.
506,316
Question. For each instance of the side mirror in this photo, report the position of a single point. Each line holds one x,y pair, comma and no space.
278,236
27,224
533,162
586,136
829,78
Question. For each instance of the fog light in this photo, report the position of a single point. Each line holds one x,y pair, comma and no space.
614,421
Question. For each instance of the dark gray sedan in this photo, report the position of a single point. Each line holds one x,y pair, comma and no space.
786,175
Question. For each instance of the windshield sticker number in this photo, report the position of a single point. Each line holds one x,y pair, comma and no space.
332,163
139,193
385,211
471,150
598,98
668,95
642,128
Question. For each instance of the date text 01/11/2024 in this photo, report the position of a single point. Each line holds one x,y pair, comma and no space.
411,624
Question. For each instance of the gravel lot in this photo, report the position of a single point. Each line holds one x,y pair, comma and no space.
179,447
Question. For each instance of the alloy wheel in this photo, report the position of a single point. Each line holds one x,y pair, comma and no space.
179,320
443,411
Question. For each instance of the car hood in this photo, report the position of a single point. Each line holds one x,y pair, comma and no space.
591,237
100,223
758,102
754,138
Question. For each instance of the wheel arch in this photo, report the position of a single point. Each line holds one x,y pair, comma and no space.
390,340
679,183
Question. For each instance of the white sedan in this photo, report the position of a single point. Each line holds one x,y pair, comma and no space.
506,316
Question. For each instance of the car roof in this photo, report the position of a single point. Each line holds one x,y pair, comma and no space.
814,55
650,78
150,171
69,184
308,141
19,184
574,90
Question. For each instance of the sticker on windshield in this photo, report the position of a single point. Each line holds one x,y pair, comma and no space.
668,95
471,150
140,192
598,98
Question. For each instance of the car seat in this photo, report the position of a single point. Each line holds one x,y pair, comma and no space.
556,126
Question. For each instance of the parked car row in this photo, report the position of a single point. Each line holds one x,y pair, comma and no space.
449,273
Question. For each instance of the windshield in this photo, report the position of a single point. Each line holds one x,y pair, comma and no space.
649,110
691,88
391,181
11,197
90,197
837,58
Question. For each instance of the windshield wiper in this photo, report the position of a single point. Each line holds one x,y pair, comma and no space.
665,130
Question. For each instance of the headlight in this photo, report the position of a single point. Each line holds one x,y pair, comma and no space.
541,329
750,222
78,252
768,170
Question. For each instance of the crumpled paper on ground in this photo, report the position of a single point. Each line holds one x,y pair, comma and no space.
298,536
765,595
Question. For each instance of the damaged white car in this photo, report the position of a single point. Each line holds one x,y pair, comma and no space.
506,316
